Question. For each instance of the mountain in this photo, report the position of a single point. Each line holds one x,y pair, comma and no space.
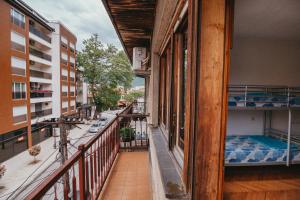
138,82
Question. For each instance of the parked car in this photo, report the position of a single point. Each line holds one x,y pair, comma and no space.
95,128
102,119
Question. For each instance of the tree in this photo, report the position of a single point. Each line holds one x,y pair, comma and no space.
105,69
34,151
131,96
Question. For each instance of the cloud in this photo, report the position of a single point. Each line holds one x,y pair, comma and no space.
82,17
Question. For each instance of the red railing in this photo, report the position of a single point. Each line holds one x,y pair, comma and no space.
84,174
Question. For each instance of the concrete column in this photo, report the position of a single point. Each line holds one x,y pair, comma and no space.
153,97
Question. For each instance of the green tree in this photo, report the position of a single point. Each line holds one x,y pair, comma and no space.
105,69
131,96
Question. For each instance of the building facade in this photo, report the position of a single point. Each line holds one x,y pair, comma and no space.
32,58
212,86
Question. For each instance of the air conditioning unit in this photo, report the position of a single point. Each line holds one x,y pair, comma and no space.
139,54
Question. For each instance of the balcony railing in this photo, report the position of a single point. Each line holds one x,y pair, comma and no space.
72,65
40,34
39,54
88,168
63,61
39,74
41,113
40,93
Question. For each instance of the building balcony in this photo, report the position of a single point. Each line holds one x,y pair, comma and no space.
39,96
39,74
39,33
40,54
88,170
72,65
41,113
63,61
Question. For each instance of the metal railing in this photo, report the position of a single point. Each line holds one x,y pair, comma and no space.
40,54
262,95
38,33
39,74
40,94
88,168
41,113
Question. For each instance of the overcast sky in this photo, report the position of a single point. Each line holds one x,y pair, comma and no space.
82,17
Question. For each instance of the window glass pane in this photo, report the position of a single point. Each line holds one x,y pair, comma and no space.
17,18
183,90
17,90
23,91
13,90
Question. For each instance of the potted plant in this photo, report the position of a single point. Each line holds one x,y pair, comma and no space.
127,134
34,151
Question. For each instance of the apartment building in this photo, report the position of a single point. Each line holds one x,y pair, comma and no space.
38,76
64,81
82,89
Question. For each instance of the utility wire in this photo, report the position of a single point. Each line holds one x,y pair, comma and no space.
12,193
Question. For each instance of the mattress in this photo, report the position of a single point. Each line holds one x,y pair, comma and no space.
258,149
262,100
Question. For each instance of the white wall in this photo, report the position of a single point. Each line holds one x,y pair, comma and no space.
265,61
56,98
245,123
85,90
262,61
280,121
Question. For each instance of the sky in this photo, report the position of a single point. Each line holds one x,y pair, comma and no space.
82,17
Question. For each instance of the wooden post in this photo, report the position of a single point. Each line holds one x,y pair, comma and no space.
81,164
209,132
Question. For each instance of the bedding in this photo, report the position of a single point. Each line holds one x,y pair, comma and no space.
258,149
263,101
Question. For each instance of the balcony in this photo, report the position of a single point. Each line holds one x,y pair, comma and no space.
72,65
39,74
40,34
41,113
63,61
39,54
40,93
86,172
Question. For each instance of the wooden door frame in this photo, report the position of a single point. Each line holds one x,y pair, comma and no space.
209,68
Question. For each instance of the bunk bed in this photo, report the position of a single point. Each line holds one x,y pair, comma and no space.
273,147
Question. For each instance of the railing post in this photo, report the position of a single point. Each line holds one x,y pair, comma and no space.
118,133
81,164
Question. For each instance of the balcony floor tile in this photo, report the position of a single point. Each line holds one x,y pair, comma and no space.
135,183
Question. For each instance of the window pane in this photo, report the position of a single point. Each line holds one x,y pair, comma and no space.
23,91
13,90
183,91
18,90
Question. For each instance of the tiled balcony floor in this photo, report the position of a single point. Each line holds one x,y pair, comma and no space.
130,178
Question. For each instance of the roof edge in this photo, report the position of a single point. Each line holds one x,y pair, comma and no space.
107,8
19,4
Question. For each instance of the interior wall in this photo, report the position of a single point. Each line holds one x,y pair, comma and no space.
262,61
280,121
245,123
265,62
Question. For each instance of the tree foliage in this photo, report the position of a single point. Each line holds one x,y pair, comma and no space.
131,96
105,69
